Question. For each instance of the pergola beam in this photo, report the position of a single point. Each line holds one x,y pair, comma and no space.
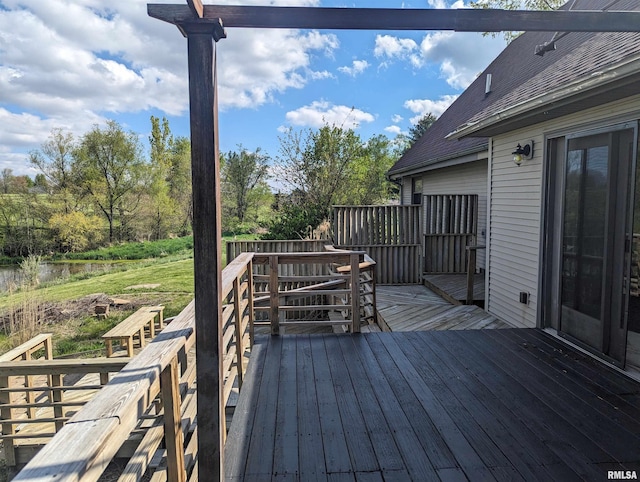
461,20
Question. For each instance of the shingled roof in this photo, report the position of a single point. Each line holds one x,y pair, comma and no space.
517,77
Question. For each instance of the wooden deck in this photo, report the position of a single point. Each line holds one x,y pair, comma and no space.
453,287
416,308
512,405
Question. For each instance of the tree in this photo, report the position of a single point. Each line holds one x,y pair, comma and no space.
516,5
417,130
180,183
368,180
55,161
243,178
161,203
109,166
74,231
327,167
6,180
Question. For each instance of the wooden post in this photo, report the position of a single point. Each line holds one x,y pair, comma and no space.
173,436
274,296
6,398
29,395
355,292
238,329
58,410
250,300
205,167
471,271
48,355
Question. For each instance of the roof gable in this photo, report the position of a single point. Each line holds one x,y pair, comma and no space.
519,75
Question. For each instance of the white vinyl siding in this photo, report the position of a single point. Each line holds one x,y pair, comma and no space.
516,206
407,186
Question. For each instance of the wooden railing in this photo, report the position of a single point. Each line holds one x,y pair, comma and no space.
153,395
332,285
48,400
39,343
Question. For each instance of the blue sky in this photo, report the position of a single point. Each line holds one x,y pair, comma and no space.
74,63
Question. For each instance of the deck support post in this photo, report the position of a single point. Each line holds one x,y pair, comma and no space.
205,166
355,292
274,295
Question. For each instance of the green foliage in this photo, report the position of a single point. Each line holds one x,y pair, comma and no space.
112,169
295,221
243,176
516,5
75,231
327,167
417,130
30,269
136,251
166,208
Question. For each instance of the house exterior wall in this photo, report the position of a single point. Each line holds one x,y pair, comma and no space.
516,204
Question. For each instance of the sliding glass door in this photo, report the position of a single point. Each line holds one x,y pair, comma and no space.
592,264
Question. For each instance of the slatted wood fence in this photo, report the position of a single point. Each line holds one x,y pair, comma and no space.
450,225
389,234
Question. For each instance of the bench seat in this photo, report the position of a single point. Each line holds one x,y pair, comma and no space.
135,325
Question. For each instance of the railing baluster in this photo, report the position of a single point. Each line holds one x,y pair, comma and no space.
274,296
174,438
355,292
238,329
6,398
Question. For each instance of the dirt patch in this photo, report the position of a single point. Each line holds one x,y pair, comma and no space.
49,313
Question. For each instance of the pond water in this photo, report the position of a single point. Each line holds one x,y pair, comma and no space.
50,271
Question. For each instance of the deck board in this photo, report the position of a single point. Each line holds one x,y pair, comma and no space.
454,286
417,308
509,404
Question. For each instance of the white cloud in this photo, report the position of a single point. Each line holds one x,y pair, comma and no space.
393,130
420,107
462,56
397,118
390,47
319,113
70,64
357,67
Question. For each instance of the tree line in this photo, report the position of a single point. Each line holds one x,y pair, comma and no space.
102,187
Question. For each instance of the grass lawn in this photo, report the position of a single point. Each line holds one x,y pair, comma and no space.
167,281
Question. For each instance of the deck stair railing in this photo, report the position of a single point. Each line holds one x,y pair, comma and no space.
342,288
147,411
32,413
368,306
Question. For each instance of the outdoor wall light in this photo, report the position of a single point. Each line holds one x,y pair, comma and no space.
523,152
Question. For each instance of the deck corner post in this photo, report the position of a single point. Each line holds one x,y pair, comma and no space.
274,295
205,167
355,292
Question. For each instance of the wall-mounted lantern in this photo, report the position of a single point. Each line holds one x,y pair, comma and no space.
523,152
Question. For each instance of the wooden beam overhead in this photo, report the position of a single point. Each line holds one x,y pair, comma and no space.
196,7
462,20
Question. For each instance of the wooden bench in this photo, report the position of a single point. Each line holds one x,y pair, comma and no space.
135,325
